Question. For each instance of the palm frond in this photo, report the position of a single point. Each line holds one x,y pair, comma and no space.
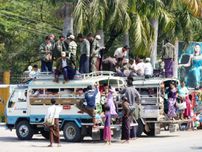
81,15
119,18
194,6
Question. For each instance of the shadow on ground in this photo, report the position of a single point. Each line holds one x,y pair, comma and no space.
196,148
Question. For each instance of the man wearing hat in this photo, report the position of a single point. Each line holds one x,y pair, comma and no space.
65,66
121,54
148,69
84,54
72,48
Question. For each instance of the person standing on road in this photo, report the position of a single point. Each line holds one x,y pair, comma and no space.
133,98
126,119
53,112
107,130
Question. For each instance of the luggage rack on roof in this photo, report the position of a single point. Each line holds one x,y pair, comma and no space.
98,73
49,75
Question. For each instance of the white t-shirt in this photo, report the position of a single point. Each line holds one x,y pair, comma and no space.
140,68
64,63
34,74
119,53
148,69
54,111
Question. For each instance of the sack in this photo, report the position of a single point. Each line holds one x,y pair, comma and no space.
181,106
50,122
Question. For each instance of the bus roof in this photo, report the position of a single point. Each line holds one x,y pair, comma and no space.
152,82
79,83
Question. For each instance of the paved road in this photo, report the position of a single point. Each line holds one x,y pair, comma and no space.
185,141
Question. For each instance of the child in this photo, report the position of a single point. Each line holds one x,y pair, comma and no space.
107,129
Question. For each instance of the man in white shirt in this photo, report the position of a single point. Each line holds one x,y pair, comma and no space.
148,69
121,54
140,67
35,72
54,112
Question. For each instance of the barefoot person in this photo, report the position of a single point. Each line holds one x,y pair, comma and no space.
107,129
126,119
53,112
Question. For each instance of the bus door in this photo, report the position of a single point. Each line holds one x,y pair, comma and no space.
17,104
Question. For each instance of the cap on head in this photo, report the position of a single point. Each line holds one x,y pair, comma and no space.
98,37
147,59
63,54
71,37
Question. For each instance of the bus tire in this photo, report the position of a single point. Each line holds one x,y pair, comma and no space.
72,132
151,131
24,130
140,128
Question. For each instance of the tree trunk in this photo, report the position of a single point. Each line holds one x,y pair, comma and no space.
126,39
155,24
68,19
101,33
126,42
175,67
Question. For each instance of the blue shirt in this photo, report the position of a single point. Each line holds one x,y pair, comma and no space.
90,97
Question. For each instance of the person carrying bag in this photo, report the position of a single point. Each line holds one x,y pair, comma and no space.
52,122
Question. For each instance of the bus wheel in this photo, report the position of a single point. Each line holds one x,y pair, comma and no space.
72,132
151,129
24,130
45,134
140,128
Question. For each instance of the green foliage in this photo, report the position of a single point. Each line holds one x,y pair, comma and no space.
23,25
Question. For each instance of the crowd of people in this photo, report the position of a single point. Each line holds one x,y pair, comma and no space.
177,102
84,54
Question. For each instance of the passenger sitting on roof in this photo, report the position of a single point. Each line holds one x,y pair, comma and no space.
35,72
148,69
90,99
65,66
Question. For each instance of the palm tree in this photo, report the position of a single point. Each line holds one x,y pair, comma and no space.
65,12
185,26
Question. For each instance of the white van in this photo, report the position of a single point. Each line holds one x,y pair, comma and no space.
28,104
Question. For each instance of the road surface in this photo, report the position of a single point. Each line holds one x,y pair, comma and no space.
184,141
